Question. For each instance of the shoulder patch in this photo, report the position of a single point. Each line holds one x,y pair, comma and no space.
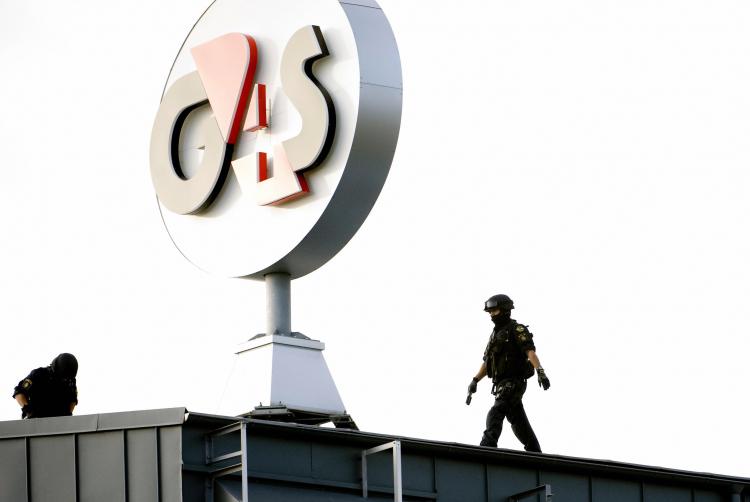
520,328
26,383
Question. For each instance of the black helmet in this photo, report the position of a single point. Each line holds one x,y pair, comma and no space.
65,365
502,302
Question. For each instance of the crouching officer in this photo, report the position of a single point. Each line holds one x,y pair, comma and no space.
50,391
509,360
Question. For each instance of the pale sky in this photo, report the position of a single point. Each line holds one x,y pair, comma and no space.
587,157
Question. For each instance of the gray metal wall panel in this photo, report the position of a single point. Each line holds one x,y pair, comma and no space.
275,455
568,487
418,473
52,465
460,481
335,462
380,468
170,464
101,467
502,482
657,493
701,496
193,446
13,470
613,490
143,467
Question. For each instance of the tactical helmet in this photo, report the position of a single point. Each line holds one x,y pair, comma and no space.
502,302
65,365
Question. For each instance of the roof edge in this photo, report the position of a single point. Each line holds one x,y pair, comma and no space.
92,423
608,468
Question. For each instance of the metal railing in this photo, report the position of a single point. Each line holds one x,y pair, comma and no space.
547,489
241,454
397,486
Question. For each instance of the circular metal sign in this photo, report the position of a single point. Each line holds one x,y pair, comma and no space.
276,132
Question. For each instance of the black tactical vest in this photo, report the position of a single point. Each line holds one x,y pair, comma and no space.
504,357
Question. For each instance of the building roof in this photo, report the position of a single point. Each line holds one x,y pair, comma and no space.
173,455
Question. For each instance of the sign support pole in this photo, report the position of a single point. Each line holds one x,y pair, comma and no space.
278,303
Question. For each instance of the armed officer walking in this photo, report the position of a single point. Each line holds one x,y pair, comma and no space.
509,360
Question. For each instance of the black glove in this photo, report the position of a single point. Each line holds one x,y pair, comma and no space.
26,412
541,377
473,386
472,390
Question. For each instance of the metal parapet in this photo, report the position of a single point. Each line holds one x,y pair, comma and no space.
134,456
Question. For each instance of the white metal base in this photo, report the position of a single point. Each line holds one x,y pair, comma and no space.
278,369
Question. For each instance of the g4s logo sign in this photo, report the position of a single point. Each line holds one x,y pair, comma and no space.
276,132
225,81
